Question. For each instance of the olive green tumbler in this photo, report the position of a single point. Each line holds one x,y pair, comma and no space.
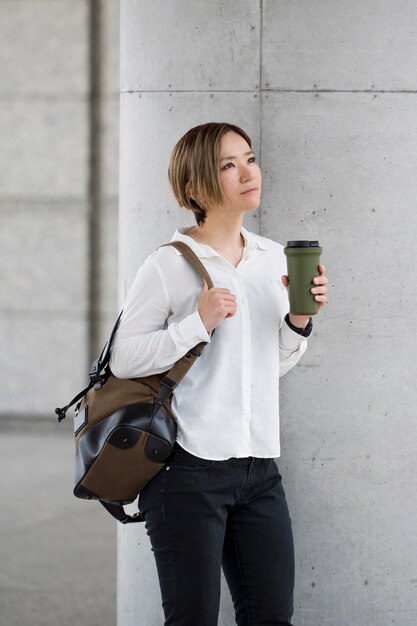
303,260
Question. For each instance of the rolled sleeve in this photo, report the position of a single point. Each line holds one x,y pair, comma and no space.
291,348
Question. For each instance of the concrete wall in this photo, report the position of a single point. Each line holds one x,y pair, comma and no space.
58,196
328,91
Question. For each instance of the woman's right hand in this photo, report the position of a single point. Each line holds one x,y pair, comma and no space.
215,305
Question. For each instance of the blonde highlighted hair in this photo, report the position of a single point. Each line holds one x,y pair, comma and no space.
194,168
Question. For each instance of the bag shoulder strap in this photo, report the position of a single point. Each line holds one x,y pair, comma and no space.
100,371
181,367
192,258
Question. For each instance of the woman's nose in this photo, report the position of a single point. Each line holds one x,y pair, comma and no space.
246,173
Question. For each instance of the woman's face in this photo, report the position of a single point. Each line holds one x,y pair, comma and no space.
240,175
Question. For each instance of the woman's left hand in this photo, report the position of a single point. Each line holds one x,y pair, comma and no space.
320,287
319,292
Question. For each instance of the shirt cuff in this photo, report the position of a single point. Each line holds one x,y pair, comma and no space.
192,330
290,340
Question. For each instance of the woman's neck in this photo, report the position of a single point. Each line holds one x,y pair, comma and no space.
225,236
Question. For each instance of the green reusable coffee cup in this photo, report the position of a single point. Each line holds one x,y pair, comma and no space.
303,260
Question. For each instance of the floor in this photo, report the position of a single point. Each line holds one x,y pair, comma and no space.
57,553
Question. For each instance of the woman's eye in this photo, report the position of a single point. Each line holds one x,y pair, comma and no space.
250,160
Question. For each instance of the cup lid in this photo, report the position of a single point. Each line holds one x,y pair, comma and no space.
303,244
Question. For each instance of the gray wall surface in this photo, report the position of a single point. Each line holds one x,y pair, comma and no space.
59,122
327,90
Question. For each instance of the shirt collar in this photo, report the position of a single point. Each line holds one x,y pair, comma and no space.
252,242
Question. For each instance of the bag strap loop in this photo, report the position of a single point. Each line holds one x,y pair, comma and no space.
117,511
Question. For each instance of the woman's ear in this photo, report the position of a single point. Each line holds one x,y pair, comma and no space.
194,198
189,191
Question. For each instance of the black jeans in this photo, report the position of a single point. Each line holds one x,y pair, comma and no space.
204,515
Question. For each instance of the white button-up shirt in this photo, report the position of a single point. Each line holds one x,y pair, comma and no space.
228,402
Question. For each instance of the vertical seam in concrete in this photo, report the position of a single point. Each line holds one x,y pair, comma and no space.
93,252
260,230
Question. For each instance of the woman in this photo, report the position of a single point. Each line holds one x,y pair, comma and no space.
218,502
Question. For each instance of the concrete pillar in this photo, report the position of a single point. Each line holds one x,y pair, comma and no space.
327,91
339,129
182,63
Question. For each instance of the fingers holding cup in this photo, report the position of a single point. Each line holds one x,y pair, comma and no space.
319,290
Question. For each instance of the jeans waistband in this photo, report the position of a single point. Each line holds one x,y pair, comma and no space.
245,460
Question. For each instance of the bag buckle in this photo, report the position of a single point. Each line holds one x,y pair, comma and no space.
167,387
96,380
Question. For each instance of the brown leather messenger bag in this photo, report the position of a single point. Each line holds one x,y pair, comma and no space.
124,428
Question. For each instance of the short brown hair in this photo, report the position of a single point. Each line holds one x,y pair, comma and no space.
195,166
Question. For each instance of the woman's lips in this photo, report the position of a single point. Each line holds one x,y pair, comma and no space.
250,190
